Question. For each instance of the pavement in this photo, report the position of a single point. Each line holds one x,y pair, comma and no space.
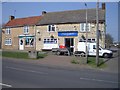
64,62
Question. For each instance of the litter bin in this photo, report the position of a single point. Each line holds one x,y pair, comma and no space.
32,54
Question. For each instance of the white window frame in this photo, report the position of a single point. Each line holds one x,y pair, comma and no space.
83,27
8,31
50,41
90,40
8,41
50,29
26,29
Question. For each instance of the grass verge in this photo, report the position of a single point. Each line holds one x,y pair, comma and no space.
91,62
15,54
21,55
41,55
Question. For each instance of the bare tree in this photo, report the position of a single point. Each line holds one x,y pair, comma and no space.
109,40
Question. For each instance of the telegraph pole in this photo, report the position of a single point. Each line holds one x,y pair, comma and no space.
86,34
97,33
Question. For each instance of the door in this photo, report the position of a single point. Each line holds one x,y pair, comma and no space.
21,44
69,43
93,50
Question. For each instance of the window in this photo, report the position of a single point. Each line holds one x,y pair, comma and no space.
26,29
94,46
8,41
89,40
29,41
83,27
8,31
51,28
50,41
93,40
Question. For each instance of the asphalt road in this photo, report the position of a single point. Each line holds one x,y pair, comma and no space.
28,75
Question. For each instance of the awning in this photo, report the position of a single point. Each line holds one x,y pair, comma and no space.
22,36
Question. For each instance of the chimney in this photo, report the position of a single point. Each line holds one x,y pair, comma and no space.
43,13
11,18
103,6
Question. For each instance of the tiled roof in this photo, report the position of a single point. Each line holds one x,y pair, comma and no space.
23,21
72,16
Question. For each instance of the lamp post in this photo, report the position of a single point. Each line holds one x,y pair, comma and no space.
97,33
86,34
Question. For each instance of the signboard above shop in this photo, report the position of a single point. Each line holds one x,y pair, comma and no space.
67,33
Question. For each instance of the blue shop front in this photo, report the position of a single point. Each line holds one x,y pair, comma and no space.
68,39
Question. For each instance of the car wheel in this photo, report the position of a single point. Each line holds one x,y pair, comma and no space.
105,55
58,52
82,54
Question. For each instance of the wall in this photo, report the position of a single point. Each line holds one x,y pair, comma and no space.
15,32
66,27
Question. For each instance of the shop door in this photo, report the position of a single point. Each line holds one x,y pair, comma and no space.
21,44
69,43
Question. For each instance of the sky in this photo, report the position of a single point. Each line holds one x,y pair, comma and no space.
27,9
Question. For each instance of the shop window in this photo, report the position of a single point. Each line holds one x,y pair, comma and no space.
8,31
83,27
8,41
51,28
89,40
29,41
50,41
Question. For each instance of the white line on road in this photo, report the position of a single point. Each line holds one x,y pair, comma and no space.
5,85
99,80
20,69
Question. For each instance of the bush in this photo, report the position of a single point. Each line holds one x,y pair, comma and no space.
74,61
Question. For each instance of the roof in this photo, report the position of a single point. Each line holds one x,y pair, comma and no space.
72,16
23,21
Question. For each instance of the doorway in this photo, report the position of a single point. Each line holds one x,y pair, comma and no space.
69,43
21,44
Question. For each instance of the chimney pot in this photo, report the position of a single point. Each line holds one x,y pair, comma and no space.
44,12
103,6
11,18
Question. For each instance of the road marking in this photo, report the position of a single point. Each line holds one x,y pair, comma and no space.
5,85
20,69
99,80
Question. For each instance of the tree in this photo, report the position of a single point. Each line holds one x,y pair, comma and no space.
109,40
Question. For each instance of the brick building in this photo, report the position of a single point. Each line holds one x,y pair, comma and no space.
52,29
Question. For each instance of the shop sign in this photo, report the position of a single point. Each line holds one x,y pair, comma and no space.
68,33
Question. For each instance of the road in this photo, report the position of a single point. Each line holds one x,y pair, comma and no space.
28,75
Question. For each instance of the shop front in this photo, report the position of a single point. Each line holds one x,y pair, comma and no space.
26,42
69,39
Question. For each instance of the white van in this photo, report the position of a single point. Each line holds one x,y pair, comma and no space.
91,47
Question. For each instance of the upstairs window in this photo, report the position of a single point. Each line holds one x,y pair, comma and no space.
26,29
8,31
83,27
51,28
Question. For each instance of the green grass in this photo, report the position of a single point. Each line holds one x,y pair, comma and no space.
15,54
91,62
41,55
21,55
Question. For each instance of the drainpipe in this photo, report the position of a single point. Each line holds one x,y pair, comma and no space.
35,37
